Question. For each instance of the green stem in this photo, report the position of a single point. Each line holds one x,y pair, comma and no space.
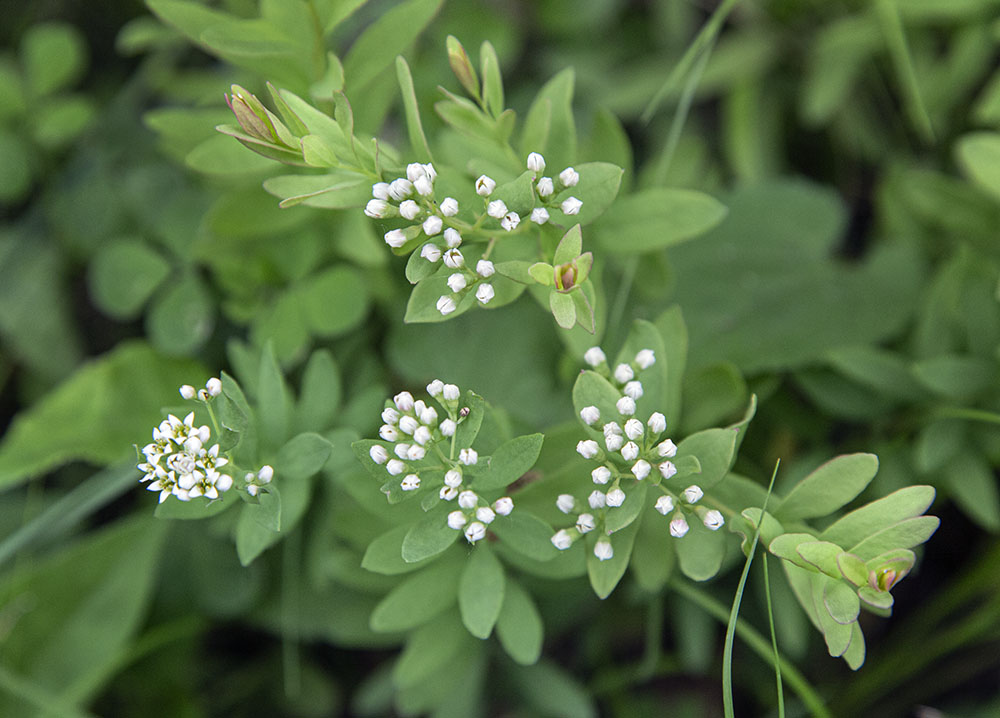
774,638
758,644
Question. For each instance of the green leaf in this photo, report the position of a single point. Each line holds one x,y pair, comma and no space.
418,598
592,389
174,508
838,635
342,189
60,120
385,554
489,64
422,305
829,487
527,534
509,462
957,377
605,575
236,417
182,317
656,218
854,656
393,32
972,484
16,169
123,275
54,56
624,515
518,194
715,450
273,400
468,428
876,599
334,301
552,691
979,155
481,591
852,568
673,333
700,551
711,395
519,626
786,547
570,246
878,369
428,649
598,188
320,398
542,273
904,534
861,523
97,414
653,556
645,335
415,129
428,538
219,155
549,127
304,455
822,555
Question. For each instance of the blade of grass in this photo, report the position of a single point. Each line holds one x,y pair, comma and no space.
727,655
702,41
899,51
774,639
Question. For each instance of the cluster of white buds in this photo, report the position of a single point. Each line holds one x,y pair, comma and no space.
475,514
256,481
464,280
412,198
213,387
633,451
177,462
545,189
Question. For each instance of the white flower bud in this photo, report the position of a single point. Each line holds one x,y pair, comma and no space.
422,435
447,427
641,469
452,238
664,504
379,454
225,482
590,415
603,550
411,482
446,305
451,392
400,189
571,206
388,432
449,206
713,520
469,457
395,238
485,268
626,406
630,452
539,215
448,493
667,448
536,163
457,282
588,448
456,520
693,493
496,209
634,390
569,177
193,445
510,221
614,442
485,293
432,225
435,387
416,452
252,490
407,424
377,208
597,499
468,499
565,503
504,505
203,395
414,171
430,252
657,423
623,373
594,357
634,429
645,358
615,497
395,467
678,527
667,469
428,416
424,186
408,209
187,391
612,427
474,532
380,190
562,539
214,386
401,450
430,171
585,523
453,478
453,258
545,186
601,475
485,186
485,514
390,415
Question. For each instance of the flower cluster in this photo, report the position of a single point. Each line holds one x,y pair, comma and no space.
422,450
633,451
412,198
177,462
544,188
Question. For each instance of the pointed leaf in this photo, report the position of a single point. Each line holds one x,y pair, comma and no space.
481,591
829,487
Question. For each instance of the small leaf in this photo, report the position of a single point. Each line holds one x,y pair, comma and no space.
418,599
624,515
489,64
841,602
852,568
979,155
570,246
273,399
905,534
527,534
563,309
414,127
123,275
303,456
829,487
605,575
320,398
861,523
481,591
701,551
822,555
428,538
656,218
519,626
461,65
385,554
715,449
876,599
